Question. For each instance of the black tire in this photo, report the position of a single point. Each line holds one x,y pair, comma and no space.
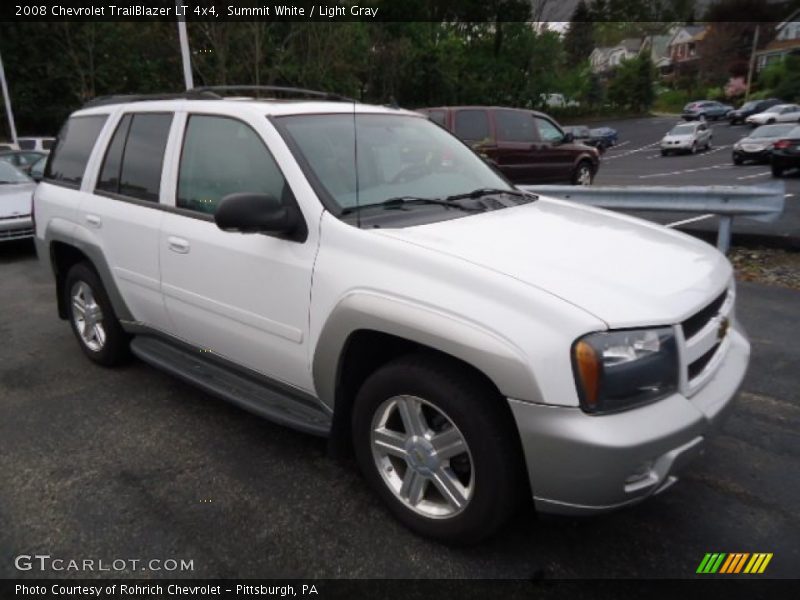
664,153
770,121
777,171
584,169
737,160
115,347
477,410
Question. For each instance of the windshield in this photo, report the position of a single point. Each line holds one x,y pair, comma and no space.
770,131
685,129
398,156
9,174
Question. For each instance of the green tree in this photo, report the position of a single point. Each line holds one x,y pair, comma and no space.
579,37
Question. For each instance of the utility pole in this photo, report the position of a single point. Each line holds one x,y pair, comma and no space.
184,40
752,63
12,128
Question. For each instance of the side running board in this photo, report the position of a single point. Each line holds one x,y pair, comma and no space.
271,401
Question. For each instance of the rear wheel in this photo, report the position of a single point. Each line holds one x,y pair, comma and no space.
582,174
433,441
92,318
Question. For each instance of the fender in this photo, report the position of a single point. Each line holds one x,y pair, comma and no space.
59,230
502,362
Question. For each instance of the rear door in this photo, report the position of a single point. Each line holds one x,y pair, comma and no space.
518,146
242,297
124,211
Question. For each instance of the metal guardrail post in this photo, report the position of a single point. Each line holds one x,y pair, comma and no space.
762,203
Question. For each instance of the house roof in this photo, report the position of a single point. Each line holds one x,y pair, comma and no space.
778,45
631,44
792,17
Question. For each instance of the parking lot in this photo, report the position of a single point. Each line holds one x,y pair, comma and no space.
100,463
637,160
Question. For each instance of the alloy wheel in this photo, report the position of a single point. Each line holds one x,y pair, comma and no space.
87,316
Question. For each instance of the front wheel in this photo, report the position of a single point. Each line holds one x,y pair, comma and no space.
93,321
435,443
582,174
777,171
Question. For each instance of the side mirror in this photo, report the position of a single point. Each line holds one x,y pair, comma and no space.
568,138
256,213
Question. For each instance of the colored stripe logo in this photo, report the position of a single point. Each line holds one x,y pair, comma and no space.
734,563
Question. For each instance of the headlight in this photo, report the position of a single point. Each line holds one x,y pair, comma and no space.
615,370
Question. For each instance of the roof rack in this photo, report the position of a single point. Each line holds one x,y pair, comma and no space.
287,91
193,94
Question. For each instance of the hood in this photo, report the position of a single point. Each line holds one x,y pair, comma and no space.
15,199
761,142
625,271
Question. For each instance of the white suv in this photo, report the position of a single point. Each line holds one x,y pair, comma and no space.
357,272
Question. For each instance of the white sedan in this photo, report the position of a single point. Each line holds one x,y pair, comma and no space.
16,191
780,113
687,137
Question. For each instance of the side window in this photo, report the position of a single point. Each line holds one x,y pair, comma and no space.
472,125
143,156
109,173
515,126
75,143
224,156
47,144
437,116
27,144
133,162
548,131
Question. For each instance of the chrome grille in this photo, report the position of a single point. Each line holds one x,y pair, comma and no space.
705,340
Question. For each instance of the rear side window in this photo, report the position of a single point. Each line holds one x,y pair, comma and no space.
472,125
224,156
75,143
134,159
27,144
437,116
514,126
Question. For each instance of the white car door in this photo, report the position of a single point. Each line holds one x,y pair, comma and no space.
124,212
241,297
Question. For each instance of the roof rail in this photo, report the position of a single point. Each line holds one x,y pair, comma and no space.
192,94
288,91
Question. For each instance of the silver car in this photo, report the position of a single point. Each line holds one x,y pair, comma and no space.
687,137
16,193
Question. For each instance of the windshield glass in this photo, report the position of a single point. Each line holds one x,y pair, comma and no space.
10,174
769,131
685,129
398,156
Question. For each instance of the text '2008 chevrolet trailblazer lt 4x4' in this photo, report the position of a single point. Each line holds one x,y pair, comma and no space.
357,272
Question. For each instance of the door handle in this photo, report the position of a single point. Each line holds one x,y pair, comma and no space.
179,245
94,221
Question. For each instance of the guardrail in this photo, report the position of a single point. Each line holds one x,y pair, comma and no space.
762,203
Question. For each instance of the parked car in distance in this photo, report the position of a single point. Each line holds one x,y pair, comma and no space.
21,159
16,193
38,144
358,273
780,113
8,147
686,137
750,108
600,138
528,147
556,101
705,109
36,172
757,145
785,153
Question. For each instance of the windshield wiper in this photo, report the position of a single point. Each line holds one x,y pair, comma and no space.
400,201
481,192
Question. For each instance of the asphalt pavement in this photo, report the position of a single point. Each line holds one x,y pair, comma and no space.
131,463
637,160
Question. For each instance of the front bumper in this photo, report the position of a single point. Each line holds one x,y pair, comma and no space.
677,146
16,228
583,464
760,155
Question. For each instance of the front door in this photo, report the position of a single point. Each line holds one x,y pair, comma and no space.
242,297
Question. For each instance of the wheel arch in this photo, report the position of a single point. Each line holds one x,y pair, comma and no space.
366,331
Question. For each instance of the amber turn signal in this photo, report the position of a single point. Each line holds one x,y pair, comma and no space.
589,366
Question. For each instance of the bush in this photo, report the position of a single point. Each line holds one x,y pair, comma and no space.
715,93
671,101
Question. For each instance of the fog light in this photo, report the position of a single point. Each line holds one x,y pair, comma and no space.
642,471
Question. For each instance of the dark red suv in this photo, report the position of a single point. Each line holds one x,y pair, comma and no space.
528,147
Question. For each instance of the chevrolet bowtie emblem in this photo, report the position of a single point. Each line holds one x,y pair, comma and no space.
724,325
